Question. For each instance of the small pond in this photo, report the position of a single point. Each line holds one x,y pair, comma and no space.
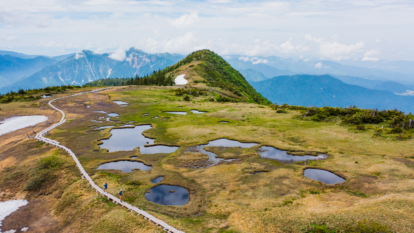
146,114
124,166
323,176
134,157
212,159
127,139
268,152
20,122
121,103
155,117
157,180
177,113
168,195
104,127
113,114
223,122
96,121
128,126
195,111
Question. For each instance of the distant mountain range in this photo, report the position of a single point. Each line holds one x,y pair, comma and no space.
12,69
325,90
275,66
87,66
281,80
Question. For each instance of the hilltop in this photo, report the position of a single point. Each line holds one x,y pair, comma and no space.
204,70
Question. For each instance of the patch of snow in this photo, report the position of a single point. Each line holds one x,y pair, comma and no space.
8,207
10,231
60,77
109,73
24,229
180,80
78,55
20,122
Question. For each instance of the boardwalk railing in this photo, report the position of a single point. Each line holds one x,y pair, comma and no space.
85,175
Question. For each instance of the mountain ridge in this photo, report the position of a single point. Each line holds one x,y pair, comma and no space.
87,66
325,90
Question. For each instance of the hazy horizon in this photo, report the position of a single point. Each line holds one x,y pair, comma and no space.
339,31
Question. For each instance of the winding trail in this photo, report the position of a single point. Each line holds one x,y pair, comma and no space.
85,175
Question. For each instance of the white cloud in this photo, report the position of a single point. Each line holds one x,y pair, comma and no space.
220,1
244,58
287,46
225,29
320,65
185,20
254,60
118,55
314,39
258,61
116,15
371,56
338,51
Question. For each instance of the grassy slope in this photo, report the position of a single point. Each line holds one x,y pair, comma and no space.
228,196
211,69
219,73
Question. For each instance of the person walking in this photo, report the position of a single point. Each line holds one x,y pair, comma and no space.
105,187
120,194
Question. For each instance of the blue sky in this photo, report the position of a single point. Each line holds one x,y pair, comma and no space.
362,30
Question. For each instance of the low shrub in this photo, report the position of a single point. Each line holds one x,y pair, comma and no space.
43,173
134,182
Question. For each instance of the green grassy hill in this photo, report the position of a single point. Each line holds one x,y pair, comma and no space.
204,70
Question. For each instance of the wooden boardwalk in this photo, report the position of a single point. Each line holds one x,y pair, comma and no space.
85,175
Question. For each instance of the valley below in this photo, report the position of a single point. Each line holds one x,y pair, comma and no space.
225,167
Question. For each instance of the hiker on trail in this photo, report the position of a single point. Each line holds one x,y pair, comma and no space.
120,194
105,187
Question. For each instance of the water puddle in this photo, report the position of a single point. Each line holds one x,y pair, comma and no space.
128,126
212,159
195,111
155,117
113,114
268,152
104,127
157,180
96,121
146,114
8,207
100,112
323,176
224,122
124,166
168,195
19,122
127,139
178,113
134,157
121,103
